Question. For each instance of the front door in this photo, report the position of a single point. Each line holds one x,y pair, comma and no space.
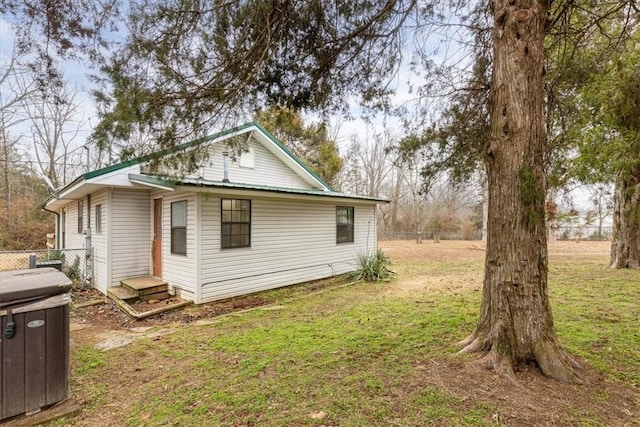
157,237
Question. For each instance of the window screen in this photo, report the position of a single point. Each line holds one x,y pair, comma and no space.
236,223
179,227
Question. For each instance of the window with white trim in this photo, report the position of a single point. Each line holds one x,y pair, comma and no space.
80,216
179,227
344,224
235,227
98,219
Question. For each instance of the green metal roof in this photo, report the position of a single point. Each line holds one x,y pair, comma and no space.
118,166
239,186
145,158
198,182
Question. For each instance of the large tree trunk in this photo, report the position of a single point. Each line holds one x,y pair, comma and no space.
625,245
515,324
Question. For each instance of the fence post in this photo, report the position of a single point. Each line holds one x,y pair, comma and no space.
32,260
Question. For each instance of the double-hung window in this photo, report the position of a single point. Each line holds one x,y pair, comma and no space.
80,217
179,227
236,223
98,219
344,224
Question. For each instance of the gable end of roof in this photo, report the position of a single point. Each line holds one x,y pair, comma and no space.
290,154
166,151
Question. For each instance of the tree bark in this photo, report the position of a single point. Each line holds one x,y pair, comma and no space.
625,244
515,324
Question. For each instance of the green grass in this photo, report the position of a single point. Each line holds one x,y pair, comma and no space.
354,354
341,353
86,359
598,317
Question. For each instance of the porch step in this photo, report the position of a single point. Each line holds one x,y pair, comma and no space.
156,296
146,286
126,295
121,293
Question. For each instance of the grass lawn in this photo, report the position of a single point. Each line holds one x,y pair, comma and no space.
377,355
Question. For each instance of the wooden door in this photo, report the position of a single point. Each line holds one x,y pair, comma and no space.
157,237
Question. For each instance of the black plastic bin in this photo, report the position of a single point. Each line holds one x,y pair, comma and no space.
34,346
53,263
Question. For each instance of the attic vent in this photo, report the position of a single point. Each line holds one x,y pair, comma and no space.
247,159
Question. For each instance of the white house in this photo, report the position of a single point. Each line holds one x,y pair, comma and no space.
238,224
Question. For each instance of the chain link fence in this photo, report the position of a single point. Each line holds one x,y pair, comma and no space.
583,232
77,264
562,233
448,235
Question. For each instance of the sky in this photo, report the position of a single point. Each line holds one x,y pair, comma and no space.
77,76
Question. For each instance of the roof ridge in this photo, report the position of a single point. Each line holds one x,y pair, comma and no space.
165,151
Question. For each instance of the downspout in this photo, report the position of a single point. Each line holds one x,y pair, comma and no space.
87,232
57,225
89,212
88,245
51,192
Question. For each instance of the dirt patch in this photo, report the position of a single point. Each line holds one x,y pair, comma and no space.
408,250
102,316
91,324
534,400
119,338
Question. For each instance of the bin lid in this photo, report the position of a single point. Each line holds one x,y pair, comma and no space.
19,285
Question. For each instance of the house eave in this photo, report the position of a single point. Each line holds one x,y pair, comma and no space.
263,190
151,181
82,186
127,174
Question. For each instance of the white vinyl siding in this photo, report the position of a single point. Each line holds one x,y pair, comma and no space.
179,270
291,242
130,234
292,236
267,169
99,242
73,239
75,243
248,158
